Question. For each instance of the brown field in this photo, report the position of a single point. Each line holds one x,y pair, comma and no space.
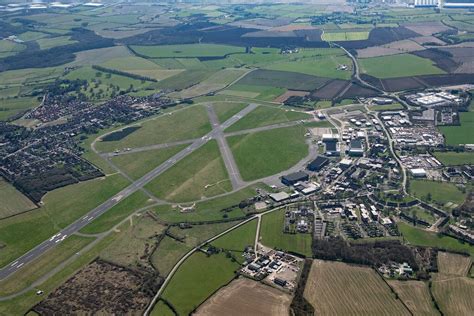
293,27
393,48
454,264
416,295
99,288
246,297
336,288
453,294
290,93
331,90
427,28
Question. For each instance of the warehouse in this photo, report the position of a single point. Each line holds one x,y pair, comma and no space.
293,178
356,148
318,163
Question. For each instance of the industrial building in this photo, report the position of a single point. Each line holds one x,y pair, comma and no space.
318,163
356,148
295,177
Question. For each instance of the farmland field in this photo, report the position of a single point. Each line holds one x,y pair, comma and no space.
336,288
238,239
197,279
246,297
345,36
272,235
416,295
51,42
136,165
255,92
282,79
262,154
453,264
13,202
187,50
10,107
453,294
202,173
165,128
456,135
402,65
454,158
263,116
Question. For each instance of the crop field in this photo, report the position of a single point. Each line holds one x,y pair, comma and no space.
326,66
225,110
282,79
271,232
402,65
137,164
61,207
187,50
202,173
169,127
456,135
336,288
50,42
134,243
265,115
140,66
453,294
262,154
441,192
214,82
10,107
117,213
420,237
197,279
13,202
246,297
100,55
345,36
210,210
416,295
453,264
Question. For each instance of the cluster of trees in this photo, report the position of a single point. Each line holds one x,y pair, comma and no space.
123,73
372,254
300,306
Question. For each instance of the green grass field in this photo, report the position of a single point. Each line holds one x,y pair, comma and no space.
450,158
50,42
441,192
265,115
188,123
10,107
187,50
184,79
239,238
161,309
136,165
272,235
262,154
168,252
13,202
455,135
209,210
43,264
419,237
61,207
197,279
402,65
322,66
117,213
202,173
263,93
225,110
345,36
